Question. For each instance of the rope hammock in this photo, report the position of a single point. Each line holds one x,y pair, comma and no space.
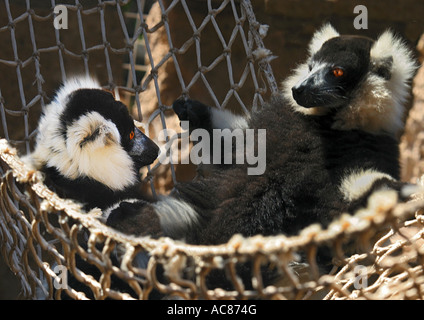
40,232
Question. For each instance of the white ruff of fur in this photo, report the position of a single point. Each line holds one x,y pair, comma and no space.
357,183
102,159
380,105
49,140
324,34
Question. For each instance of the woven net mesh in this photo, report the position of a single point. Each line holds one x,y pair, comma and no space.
40,232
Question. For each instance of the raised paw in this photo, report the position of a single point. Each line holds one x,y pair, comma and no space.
196,113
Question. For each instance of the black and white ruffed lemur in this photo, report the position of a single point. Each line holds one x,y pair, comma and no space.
90,150
88,146
331,141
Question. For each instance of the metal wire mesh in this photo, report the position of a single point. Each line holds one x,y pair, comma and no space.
39,231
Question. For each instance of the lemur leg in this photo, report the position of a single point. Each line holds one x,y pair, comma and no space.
170,216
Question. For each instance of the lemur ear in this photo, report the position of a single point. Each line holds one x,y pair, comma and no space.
91,131
322,35
391,58
382,67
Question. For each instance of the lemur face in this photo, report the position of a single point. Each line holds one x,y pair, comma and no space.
335,71
86,133
94,119
360,83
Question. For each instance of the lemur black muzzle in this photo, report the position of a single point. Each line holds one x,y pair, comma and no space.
144,151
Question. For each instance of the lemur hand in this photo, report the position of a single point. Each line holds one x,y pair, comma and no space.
196,113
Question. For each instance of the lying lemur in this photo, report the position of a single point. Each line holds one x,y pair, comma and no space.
331,137
90,151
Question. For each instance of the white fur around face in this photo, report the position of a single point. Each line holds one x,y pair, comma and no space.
379,105
403,69
324,34
299,74
102,159
372,111
49,138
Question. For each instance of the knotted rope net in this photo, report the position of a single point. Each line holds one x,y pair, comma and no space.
44,238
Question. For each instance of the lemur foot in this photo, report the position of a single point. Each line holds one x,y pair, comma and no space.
196,113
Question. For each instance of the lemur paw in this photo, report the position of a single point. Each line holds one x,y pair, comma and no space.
196,113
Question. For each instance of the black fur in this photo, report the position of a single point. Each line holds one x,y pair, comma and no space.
129,212
306,159
92,193
300,185
198,115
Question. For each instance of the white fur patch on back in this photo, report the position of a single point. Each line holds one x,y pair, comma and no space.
175,216
224,119
356,183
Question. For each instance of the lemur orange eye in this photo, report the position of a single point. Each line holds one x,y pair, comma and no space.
132,135
337,72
